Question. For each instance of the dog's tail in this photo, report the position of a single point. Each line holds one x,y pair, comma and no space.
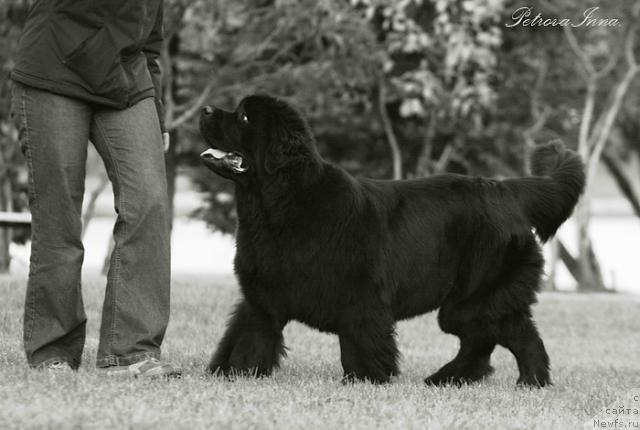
549,196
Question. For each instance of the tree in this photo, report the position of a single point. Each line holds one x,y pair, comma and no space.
623,153
375,80
607,68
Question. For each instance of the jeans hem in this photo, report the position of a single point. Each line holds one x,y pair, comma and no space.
113,360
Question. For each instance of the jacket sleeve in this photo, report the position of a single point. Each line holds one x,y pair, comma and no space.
152,50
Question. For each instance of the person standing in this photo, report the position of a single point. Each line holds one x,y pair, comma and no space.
89,71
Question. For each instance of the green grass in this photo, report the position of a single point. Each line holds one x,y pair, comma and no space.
592,341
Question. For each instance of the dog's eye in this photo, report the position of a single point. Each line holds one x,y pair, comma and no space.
243,118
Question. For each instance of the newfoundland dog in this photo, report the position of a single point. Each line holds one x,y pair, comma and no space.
352,256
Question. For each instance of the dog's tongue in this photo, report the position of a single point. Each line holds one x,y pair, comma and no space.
215,153
231,159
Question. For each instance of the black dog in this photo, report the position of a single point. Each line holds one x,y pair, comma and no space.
353,256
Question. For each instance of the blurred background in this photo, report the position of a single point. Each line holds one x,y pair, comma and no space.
392,89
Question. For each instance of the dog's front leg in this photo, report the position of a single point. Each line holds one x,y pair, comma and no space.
368,351
251,345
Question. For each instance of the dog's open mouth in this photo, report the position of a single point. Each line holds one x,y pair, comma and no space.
231,160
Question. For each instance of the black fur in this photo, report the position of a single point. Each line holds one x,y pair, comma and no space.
353,256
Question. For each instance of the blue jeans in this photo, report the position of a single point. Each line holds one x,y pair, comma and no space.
54,132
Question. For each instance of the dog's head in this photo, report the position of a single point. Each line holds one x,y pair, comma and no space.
261,138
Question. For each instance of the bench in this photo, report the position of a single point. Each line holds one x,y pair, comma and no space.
15,219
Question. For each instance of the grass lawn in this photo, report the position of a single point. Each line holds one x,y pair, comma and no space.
593,342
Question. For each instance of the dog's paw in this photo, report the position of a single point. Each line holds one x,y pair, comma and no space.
441,381
465,376
352,378
449,380
232,372
533,381
218,369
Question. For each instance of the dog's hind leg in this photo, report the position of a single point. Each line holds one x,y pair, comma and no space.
518,333
501,316
515,329
368,350
252,344
472,363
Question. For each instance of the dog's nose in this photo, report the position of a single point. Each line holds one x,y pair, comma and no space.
207,110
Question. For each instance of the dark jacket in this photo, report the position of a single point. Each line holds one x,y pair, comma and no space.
106,52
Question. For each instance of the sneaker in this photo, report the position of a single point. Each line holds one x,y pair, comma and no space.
149,368
56,365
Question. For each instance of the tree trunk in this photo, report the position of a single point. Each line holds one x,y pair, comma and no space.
588,273
170,166
396,155
591,147
572,264
567,259
588,270
550,284
616,170
5,258
6,204
423,166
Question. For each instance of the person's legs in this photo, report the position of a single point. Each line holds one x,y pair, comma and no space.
136,305
54,133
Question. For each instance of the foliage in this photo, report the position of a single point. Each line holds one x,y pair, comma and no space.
437,59
461,91
320,55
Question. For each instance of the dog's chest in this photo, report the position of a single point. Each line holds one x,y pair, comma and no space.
289,284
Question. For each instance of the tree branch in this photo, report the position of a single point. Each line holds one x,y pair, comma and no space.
575,47
388,129
538,114
609,118
423,165
569,260
585,122
443,160
193,108
622,180
591,76
629,47
608,68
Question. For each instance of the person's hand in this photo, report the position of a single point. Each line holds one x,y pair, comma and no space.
166,140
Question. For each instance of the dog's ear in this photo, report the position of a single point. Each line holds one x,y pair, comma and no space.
289,139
